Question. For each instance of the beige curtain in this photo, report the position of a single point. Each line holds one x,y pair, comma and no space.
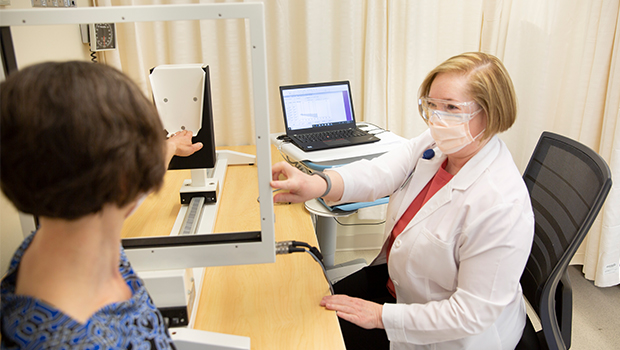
562,55
563,58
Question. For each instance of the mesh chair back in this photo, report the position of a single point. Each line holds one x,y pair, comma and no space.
568,183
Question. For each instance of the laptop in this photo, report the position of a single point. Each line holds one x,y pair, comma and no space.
320,116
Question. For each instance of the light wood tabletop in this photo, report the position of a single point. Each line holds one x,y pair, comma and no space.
275,305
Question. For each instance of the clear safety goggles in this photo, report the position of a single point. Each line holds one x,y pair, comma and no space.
446,110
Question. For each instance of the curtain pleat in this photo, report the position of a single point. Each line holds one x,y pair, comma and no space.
602,246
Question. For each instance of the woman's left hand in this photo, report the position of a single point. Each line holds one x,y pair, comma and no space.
363,313
180,144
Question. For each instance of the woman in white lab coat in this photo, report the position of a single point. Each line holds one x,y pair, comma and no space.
459,222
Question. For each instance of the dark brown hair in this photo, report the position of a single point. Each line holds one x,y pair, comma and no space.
76,136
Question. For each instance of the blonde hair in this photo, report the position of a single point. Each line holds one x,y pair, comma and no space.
488,83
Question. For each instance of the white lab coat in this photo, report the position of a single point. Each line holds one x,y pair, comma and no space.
456,266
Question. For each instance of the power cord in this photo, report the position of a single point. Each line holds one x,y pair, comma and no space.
377,128
288,247
298,165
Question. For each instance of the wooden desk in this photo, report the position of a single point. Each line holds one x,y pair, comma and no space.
276,305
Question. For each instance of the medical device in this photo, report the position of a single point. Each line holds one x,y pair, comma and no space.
185,251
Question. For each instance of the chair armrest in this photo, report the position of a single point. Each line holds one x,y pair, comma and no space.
556,313
564,308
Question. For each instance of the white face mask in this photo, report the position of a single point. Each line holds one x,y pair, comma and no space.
451,137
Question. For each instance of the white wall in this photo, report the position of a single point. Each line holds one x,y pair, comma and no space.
32,45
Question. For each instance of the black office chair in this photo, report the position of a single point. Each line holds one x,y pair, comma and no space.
568,184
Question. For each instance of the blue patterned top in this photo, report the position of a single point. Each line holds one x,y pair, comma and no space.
30,323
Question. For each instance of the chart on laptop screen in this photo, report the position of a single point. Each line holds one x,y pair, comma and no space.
317,106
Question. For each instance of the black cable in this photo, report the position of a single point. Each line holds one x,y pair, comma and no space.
298,165
93,56
313,250
331,286
377,133
284,138
288,247
377,127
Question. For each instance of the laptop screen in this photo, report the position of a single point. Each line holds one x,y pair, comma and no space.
311,106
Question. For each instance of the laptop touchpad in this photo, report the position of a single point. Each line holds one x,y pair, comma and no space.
337,142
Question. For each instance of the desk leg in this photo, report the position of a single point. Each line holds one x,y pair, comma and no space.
326,235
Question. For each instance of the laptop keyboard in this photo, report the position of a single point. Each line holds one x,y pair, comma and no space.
330,135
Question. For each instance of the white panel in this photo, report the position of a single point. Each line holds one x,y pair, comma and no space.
179,105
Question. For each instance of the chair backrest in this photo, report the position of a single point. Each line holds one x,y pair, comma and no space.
568,184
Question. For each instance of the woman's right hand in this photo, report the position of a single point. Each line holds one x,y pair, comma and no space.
301,187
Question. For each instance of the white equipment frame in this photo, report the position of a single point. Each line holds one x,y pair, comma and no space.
176,253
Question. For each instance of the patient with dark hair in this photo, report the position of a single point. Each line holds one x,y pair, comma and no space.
80,146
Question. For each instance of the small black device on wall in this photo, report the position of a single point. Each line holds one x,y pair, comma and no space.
102,36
